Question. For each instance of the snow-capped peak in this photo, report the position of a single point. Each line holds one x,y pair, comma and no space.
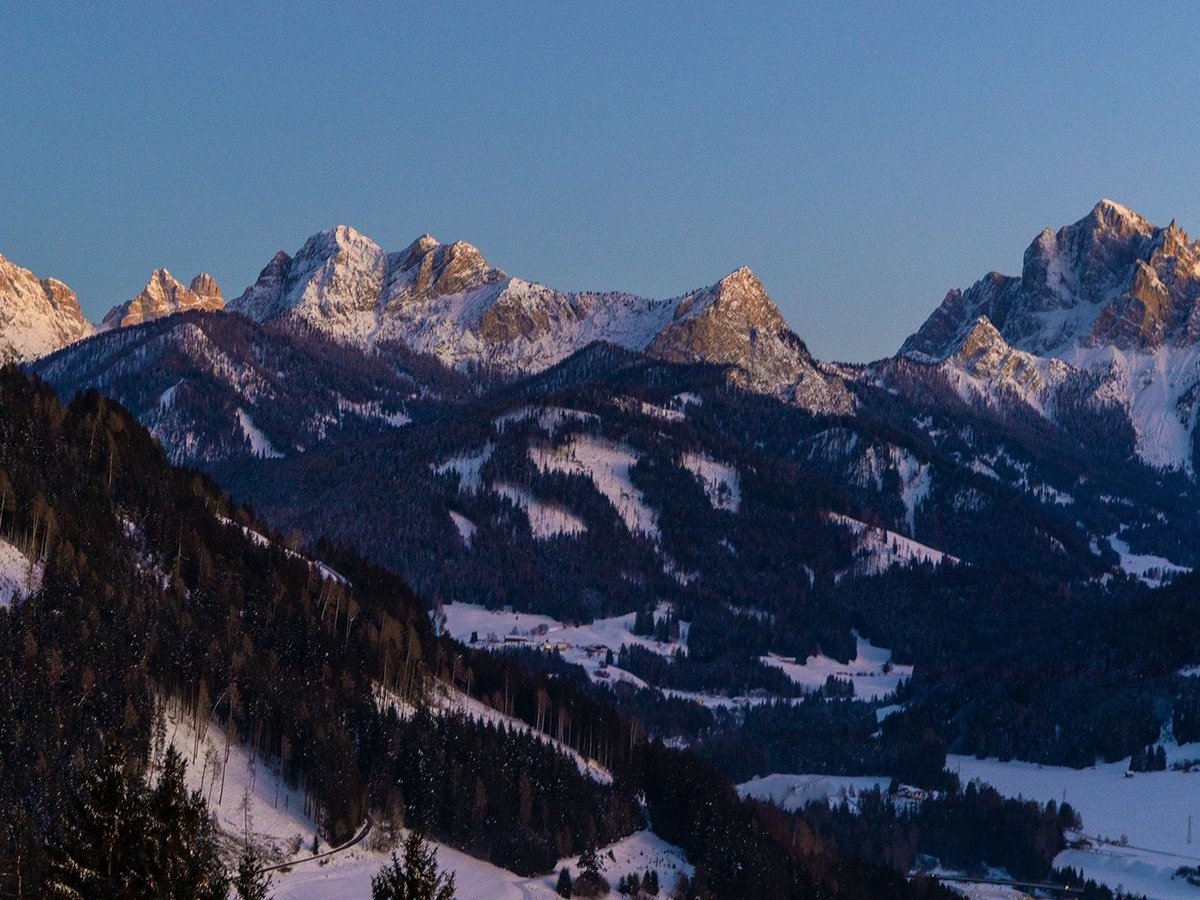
1111,295
446,299
37,316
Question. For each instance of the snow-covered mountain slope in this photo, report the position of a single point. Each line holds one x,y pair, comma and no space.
446,300
37,316
1107,308
164,295
217,387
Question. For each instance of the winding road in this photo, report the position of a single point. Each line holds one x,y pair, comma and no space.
354,841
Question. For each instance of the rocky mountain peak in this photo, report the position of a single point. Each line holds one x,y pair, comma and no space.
984,336
334,282
37,316
416,251
204,285
1112,278
165,295
427,268
736,323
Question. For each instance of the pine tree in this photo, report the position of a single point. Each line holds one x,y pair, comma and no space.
564,882
103,848
185,861
416,878
120,839
251,882
650,883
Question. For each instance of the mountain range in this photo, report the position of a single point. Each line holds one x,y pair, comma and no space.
1004,511
1034,391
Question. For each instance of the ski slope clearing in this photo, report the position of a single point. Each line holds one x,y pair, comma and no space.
872,671
1149,811
18,579
607,464
260,444
546,520
880,549
720,482
793,792
468,468
466,528
349,875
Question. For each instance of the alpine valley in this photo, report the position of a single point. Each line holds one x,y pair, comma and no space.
603,584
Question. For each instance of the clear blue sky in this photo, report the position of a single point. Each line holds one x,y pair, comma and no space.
862,159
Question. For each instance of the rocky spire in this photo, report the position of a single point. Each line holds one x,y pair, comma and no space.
165,295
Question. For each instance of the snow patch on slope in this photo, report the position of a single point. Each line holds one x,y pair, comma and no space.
549,418
260,444
466,528
794,792
872,671
1153,386
880,549
224,772
1150,569
18,578
607,464
720,482
468,468
546,520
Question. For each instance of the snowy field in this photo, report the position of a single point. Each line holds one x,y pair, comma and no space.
607,464
582,645
1151,570
17,579
720,482
1150,811
872,671
225,774
793,792
546,520
349,875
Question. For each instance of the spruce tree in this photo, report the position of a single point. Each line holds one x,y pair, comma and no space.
251,882
121,839
103,847
186,862
416,878
564,882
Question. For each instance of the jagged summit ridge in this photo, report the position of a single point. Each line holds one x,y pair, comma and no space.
1109,304
37,315
447,300
1112,278
165,295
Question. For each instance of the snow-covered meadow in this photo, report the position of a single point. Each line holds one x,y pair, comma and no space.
1138,826
872,671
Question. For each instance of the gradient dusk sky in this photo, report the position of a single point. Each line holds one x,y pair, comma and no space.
861,158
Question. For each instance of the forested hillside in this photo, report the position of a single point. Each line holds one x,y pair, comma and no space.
153,586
